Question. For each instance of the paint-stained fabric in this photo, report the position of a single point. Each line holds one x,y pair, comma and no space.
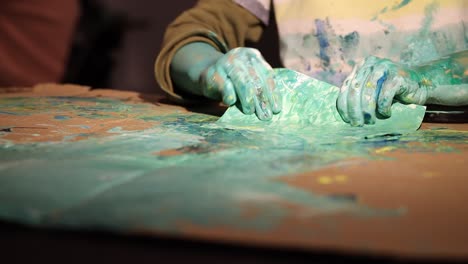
325,39
260,8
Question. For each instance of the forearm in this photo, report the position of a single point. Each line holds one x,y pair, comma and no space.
188,64
454,95
451,69
221,24
446,80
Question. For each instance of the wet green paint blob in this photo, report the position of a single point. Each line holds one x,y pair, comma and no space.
309,105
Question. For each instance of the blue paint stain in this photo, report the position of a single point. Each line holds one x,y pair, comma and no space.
323,41
367,117
380,83
401,4
350,41
61,117
8,113
386,9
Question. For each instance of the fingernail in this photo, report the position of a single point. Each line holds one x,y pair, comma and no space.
355,123
266,114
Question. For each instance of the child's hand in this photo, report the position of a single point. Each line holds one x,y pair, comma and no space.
374,85
243,77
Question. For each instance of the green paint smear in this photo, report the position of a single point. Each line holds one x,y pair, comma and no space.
121,183
309,107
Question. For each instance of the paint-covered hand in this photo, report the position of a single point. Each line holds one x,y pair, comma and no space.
372,87
242,77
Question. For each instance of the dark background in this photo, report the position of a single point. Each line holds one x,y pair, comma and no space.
118,40
22,244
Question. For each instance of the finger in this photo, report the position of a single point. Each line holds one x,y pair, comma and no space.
370,91
225,86
342,100
274,95
386,93
209,84
355,114
262,111
229,97
277,100
266,99
262,103
262,93
239,76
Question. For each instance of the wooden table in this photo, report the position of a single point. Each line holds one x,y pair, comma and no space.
128,163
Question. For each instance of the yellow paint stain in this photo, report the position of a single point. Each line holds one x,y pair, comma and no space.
384,149
370,85
338,179
426,82
341,178
325,180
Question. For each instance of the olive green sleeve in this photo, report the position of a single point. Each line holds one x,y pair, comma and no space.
220,23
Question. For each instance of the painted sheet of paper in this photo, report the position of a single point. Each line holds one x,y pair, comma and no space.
309,104
87,161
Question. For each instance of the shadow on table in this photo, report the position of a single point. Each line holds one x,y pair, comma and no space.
21,243
205,107
446,114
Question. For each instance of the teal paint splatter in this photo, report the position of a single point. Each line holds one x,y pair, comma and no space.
400,5
7,113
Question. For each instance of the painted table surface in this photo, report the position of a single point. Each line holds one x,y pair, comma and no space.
76,158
